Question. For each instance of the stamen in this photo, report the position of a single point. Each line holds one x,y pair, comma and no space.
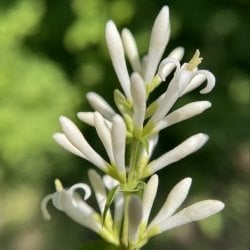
195,61
58,185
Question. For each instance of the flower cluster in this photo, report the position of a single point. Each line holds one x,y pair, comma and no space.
129,137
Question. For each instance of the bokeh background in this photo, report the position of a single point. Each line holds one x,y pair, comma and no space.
53,52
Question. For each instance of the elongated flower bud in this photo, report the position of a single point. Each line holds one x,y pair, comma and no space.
138,92
187,147
131,50
116,52
134,218
195,212
158,42
99,104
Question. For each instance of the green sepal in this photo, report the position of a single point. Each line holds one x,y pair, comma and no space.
145,144
122,103
154,84
111,195
151,109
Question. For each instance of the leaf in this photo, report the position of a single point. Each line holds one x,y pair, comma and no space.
110,198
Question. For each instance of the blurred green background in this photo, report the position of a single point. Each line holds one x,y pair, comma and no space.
53,52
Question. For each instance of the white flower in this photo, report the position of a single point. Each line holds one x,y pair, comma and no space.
69,202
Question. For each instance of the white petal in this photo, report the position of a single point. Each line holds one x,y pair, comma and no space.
134,217
78,214
99,189
189,146
75,136
45,212
158,42
183,113
100,105
177,53
56,199
210,81
87,117
138,92
199,77
131,50
109,182
104,134
149,197
116,52
63,141
166,66
166,102
197,211
118,133
83,186
174,200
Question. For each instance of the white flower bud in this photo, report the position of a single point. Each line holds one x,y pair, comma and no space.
116,52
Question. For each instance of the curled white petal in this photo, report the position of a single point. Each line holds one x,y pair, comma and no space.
158,42
84,187
183,113
116,52
63,141
138,92
99,104
166,66
195,212
75,136
189,146
134,217
45,212
174,200
118,135
104,134
149,197
210,81
198,78
131,50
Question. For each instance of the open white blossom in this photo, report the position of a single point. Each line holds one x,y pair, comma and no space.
72,204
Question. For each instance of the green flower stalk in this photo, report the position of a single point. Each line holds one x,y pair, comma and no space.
129,136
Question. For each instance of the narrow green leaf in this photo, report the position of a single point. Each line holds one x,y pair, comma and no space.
110,198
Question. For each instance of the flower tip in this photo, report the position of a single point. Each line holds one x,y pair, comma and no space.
165,10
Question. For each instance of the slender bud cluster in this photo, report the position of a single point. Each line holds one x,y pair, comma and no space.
129,135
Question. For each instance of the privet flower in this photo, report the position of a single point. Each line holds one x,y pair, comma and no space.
72,204
129,134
